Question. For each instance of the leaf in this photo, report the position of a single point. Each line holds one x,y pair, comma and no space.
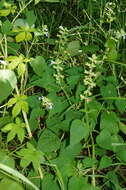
105,162
104,139
112,55
15,129
11,102
110,121
89,162
121,105
24,106
35,115
73,48
8,82
21,69
4,12
28,36
108,91
20,37
113,178
16,174
16,109
49,183
78,131
30,155
38,65
48,141
6,27
5,120
80,183
37,1
10,184
31,18
65,161
76,183
7,160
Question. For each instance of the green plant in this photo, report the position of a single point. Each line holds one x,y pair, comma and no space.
62,95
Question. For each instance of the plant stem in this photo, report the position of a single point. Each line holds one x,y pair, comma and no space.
25,118
27,124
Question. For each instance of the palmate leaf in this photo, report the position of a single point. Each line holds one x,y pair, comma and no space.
8,82
30,155
15,129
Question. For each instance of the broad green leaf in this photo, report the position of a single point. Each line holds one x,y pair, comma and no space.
104,139
20,37
105,162
78,131
108,91
49,183
80,183
73,48
112,55
12,48
76,183
38,65
48,141
89,162
110,121
121,154
16,174
8,82
111,44
121,105
7,160
31,18
6,27
9,184
65,161
35,116
113,178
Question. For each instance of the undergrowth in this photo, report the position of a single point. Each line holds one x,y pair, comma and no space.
62,95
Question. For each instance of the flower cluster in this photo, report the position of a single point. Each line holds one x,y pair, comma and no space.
90,75
46,102
109,12
57,65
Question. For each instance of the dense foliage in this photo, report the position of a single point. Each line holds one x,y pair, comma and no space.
62,94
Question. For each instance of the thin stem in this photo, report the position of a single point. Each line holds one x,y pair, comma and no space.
40,172
27,124
21,11
25,118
